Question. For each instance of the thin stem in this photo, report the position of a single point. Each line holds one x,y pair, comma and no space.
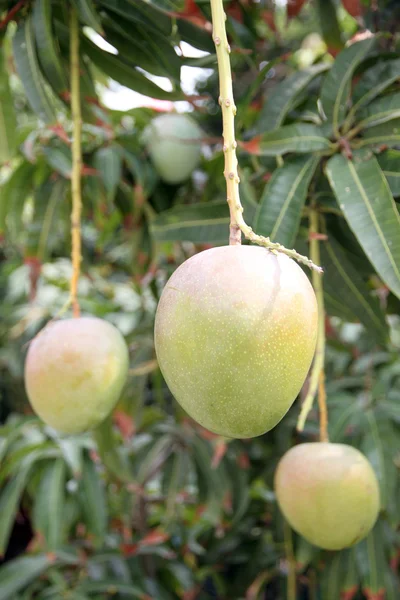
76,254
227,103
317,373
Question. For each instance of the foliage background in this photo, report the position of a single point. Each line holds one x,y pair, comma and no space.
151,505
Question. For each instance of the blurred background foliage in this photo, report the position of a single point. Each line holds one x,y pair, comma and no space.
150,505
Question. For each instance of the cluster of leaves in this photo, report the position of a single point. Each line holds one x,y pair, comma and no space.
152,506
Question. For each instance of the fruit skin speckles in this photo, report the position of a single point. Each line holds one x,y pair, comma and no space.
74,373
236,343
328,493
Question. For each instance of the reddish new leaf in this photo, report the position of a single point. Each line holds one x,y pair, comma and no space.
294,7
353,7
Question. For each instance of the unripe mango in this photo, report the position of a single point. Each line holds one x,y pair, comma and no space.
328,493
74,373
174,144
235,335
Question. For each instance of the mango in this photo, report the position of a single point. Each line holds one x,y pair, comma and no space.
173,142
75,370
328,493
235,334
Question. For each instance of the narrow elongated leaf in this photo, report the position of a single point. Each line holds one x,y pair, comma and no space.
198,223
108,162
386,134
335,90
109,451
93,500
389,162
27,65
9,503
13,195
301,138
368,206
49,504
8,124
18,573
88,15
283,97
279,212
111,586
60,159
141,13
380,111
126,74
195,36
48,51
343,283
338,575
372,564
330,28
374,81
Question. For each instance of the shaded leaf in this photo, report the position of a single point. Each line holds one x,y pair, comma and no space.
8,124
49,503
108,162
343,282
381,110
29,72
88,15
389,162
341,567
386,135
371,562
283,96
373,81
368,206
195,36
336,87
330,28
59,159
282,201
48,51
18,573
13,195
197,223
9,505
111,586
93,500
301,138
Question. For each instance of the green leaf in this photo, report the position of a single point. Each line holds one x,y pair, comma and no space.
47,48
343,283
336,88
279,211
88,15
108,162
93,500
364,196
18,573
386,134
8,124
380,111
389,162
331,31
283,97
29,72
112,587
301,138
125,73
374,81
142,14
109,451
197,223
59,158
49,504
372,564
9,504
13,195
339,575
195,36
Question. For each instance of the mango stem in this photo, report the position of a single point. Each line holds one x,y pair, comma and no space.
227,103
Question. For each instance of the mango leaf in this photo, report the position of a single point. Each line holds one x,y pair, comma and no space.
197,223
142,14
282,201
343,282
49,503
88,15
92,495
8,124
59,158
109,451
108,162
335,91
374,81
389,162
125,73
301,138
111,586
386,134
13,195
381,110
27,65
18,573
339,575
9,505
195,36
371,562
328,20
48,51
364,196
283,96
